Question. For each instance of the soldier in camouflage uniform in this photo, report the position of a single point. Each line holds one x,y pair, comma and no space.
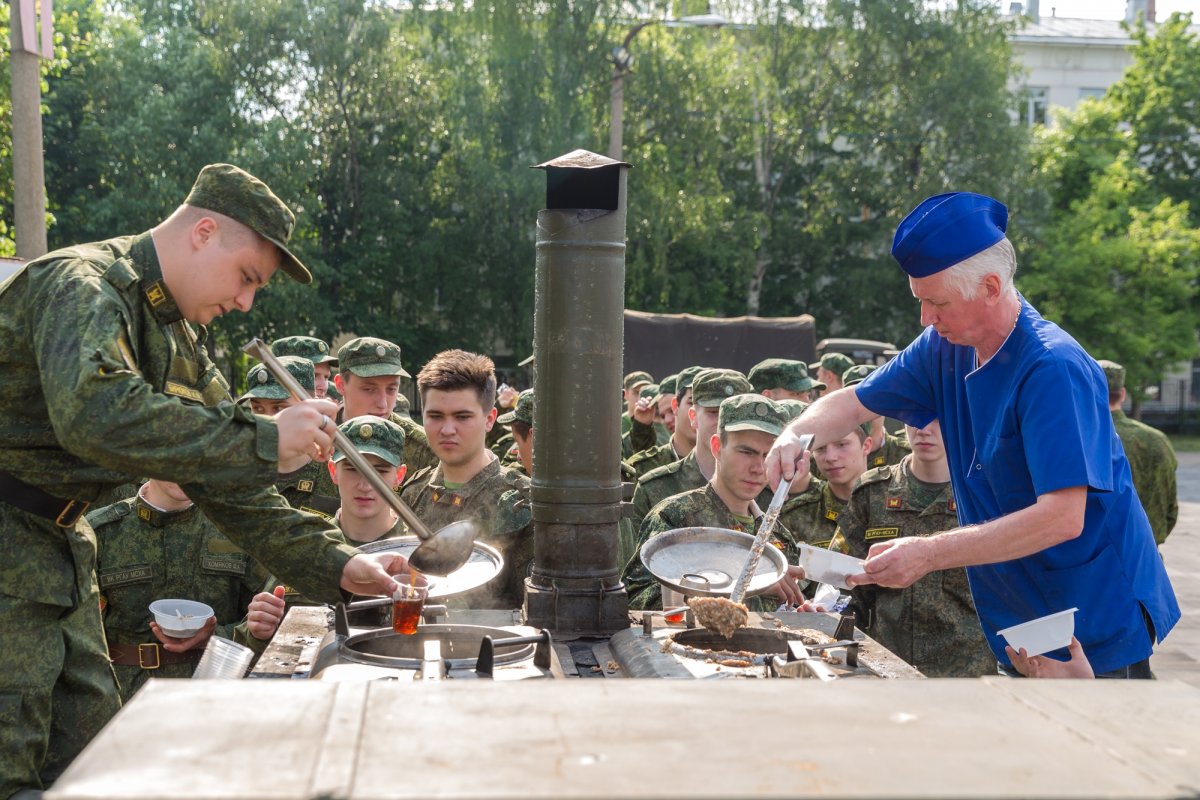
106,381
709,389
159,545
364,516
268,397
814,504
748,425
885,448
1151,458
931,624
665,413
632,384
830,368
644,429
521,420
683,436
369,373
784,379
324,362
458,391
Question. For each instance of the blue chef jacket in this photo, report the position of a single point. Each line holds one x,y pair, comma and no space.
1034,419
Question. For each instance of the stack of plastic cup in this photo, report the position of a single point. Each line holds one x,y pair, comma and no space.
224,659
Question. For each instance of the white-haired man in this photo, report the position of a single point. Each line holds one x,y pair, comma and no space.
1050,517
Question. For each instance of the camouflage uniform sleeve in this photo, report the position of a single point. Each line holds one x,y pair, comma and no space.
302,549
640,585
104,411
642,437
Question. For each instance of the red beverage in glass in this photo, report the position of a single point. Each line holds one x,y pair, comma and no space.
406,614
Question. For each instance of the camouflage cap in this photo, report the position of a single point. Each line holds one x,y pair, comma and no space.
402,403
309,347
782,373
686,376
650,390
752,412
856,373
667,385
836,362
374,435
368,357
711,387
237,194
636,379
794,408
1115,374
522,412
261,384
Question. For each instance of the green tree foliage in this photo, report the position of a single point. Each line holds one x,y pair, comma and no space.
1119,271
772,158
1117,261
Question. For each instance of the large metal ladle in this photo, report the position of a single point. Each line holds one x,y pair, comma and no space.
439,553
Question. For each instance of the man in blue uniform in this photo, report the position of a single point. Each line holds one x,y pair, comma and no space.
1050,517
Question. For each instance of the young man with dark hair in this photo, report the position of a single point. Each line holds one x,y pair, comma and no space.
458,396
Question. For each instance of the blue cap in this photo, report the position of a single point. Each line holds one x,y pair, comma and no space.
947,229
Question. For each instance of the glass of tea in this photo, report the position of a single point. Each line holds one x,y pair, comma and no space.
407,602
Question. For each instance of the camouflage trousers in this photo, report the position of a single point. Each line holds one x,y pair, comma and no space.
57,687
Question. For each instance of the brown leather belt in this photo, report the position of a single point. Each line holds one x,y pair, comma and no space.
150,656
19,494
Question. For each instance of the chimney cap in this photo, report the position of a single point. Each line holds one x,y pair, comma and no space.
581,159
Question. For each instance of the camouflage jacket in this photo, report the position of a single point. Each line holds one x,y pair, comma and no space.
494,499
1152,462
652,488
303,489
97,355
147,555
638,438
931,624
812,515
658,456
695,508
891,451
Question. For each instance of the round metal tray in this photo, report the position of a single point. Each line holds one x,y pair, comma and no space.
484,564
715,555
459,646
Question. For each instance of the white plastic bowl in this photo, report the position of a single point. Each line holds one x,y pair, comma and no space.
1043,634
180,619
828,566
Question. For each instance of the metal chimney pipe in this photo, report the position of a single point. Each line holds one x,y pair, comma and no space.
578,341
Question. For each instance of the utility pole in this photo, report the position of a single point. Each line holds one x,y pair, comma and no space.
29,177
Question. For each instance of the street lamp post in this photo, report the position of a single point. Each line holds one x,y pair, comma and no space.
622,61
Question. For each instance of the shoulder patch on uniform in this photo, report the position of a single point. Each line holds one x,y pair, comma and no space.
881,533
832,516
894,503
304,486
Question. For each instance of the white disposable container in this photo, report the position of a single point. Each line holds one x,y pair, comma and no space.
223,659
1043,634
180,619
828,566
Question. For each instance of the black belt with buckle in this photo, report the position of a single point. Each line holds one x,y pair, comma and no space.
19,494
